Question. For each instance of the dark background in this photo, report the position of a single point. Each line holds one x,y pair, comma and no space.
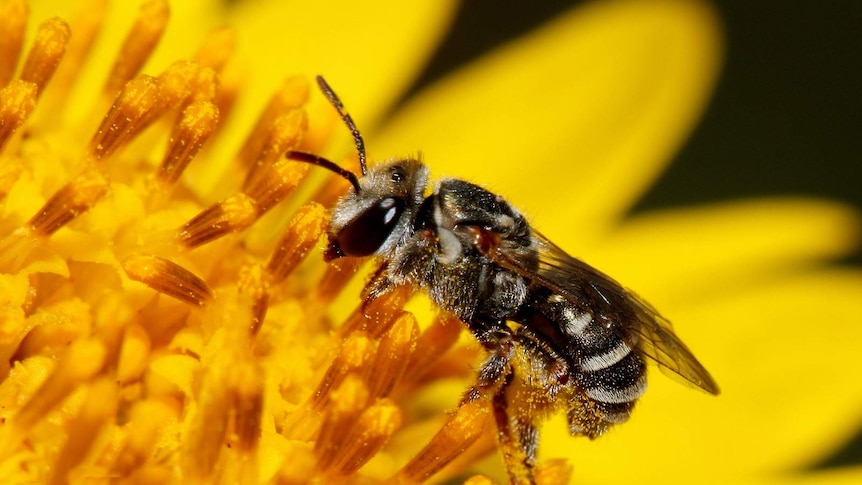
786,118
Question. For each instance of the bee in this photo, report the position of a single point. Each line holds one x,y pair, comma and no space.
560,335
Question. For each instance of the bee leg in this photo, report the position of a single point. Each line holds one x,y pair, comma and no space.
377,286
518,439
495,369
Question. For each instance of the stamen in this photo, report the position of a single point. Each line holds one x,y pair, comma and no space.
438,338
17,101
46,53
168,278
370,434
353,356
286,132
98,410
274,183
13,24
248,407
147,419
139,44
254,286
134,354
376,316
302,233
460,431
230,215
82,360
292,95
129,111
347,403
85,25
393,352
191,131
69,202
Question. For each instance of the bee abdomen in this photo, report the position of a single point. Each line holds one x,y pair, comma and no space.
610,373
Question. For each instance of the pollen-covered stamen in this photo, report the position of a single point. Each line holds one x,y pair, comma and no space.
129,112
435,341
460,431
292,95
303,231
145,421
46,53
139,44
98,410
69,202
168,278
353,356
394,350
82,360
230,215
85,24
240,210
286,133
369,435
184,81
376,316
348,401
13,24
338,273
17,101
254,286
193,128
247,403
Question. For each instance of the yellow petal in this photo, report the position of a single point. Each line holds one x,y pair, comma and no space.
683,253
840,476
368,51
572,122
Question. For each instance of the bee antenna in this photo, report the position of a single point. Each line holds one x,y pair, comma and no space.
323,162
345,116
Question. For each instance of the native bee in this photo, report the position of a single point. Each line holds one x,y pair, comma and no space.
560,334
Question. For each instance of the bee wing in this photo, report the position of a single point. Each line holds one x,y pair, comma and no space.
623,311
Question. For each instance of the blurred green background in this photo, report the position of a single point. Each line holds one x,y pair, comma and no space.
785,120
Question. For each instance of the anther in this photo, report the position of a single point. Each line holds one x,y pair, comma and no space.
130,111
460,431
293,94
194,127
46,53
168,278
17,101
139,44
69,202
393,352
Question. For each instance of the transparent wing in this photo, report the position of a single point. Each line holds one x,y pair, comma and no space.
621,310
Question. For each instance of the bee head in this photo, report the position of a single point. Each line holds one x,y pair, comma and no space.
370,219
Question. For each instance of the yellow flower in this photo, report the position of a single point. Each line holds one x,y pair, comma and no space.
162,323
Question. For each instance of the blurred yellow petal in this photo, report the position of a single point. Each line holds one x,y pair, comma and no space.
369,51
690,252
838,476
571,123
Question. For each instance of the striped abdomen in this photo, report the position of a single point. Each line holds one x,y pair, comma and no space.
609,374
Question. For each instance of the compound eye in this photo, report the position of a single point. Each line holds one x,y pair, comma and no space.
368,231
